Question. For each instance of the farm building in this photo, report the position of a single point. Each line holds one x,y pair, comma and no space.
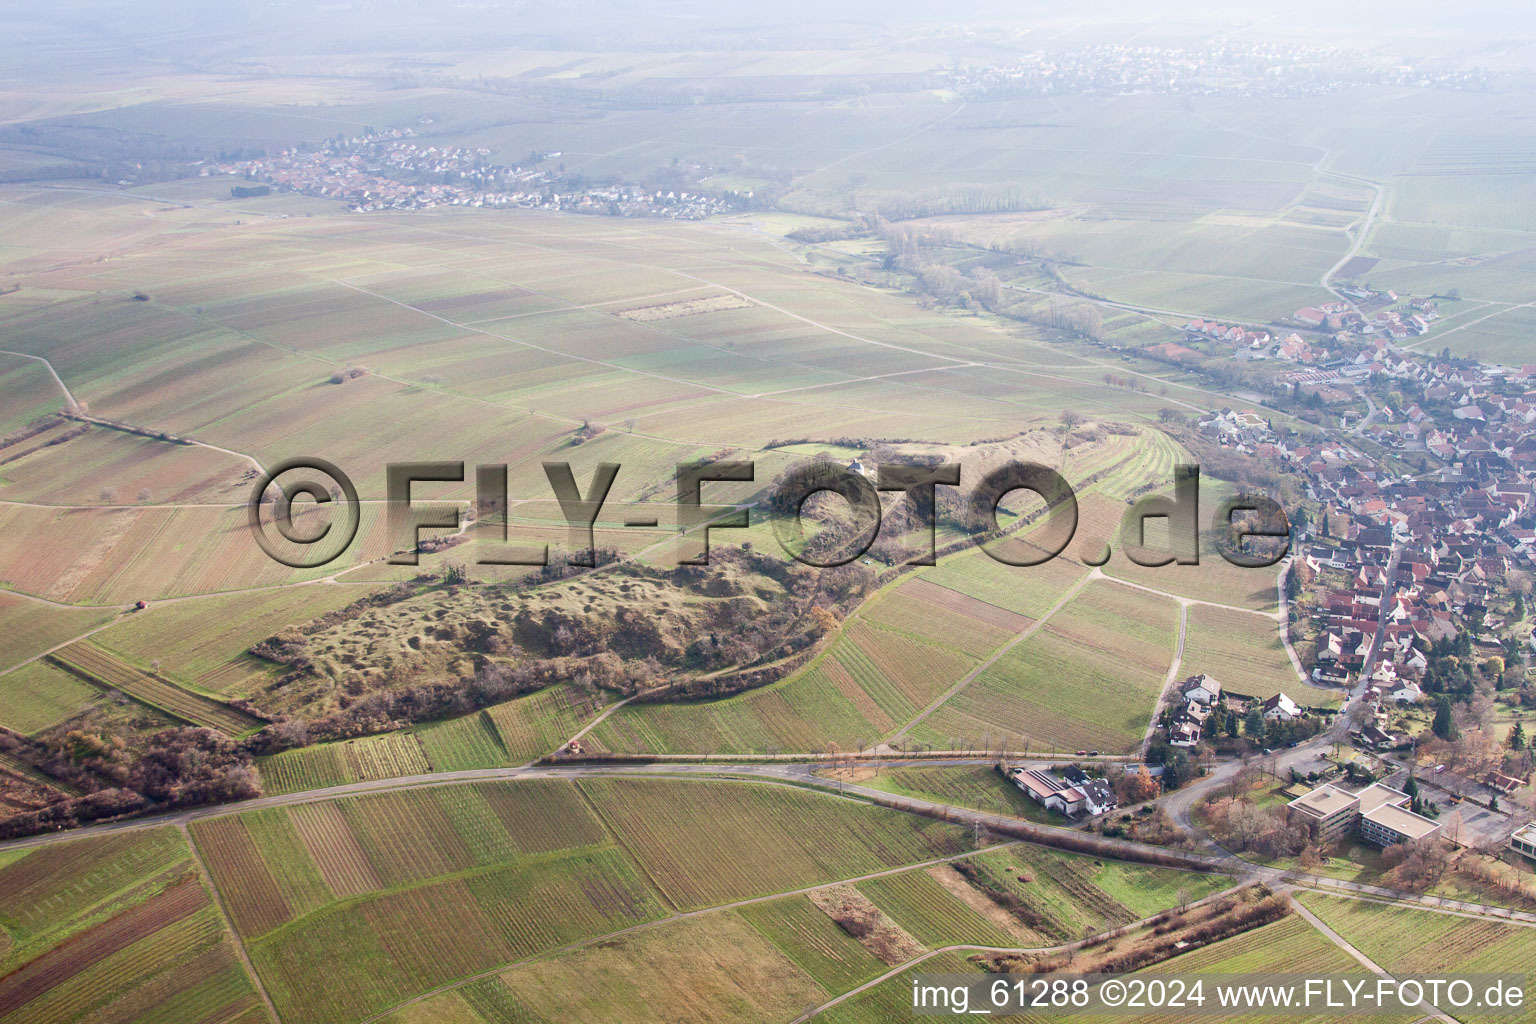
1050,792
1076,793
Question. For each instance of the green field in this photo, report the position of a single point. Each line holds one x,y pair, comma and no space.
761,236
333,764
1244,652
38,695
977,786
188,647
31,628
1410,940
117,929
342,889
931,913
1089,678
717,968
1073,893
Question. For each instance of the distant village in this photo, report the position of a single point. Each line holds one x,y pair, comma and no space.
391,170
1225,68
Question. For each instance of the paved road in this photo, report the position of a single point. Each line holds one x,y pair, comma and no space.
1379,194
1211,856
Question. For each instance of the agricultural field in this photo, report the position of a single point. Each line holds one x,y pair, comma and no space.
893,658
685,832
938,907
892,999
934,250
816,944
1290,945
470,741
81,464
530,727
938,615
384,756
342,889
31,629
40,694
180,639
1067,893
1090,677
1409,940
513,732
1245,653
125,554
1028,591
116,929
971,785
99,667
717,968
29,393
1214,579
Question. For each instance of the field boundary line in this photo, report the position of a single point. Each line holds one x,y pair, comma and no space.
68,395
970,676
1075,943
1275,616
618,842
701,912
1173,674
1411,904
67,643
1365,961
234,936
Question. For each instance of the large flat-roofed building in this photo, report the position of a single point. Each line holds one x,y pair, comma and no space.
1330,811
1376,795
1376,814
1390,824
1523,841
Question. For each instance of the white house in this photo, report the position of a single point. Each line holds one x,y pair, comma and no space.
1281,708
1202,688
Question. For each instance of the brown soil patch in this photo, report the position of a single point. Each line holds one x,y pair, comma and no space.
117,524
849,688
684,307
255,902
978,901
877,932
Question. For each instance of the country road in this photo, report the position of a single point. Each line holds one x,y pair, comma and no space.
803,774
